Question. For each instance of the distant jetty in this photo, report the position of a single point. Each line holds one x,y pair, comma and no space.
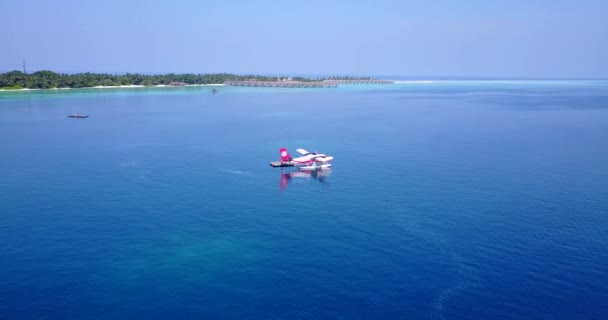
361,81
303,84
281,84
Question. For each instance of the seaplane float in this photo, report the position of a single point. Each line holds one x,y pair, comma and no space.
308,160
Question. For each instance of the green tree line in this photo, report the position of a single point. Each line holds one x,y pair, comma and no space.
48,79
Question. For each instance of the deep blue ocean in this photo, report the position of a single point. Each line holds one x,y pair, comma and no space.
446,200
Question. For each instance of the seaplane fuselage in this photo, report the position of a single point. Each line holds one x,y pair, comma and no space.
308,160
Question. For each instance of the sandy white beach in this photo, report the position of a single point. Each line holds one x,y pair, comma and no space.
122,86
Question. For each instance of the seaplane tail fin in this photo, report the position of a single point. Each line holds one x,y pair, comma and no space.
284,155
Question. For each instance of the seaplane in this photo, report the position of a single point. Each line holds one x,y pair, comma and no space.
308,160
78,116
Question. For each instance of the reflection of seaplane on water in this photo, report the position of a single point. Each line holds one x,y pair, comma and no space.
318,175
308,160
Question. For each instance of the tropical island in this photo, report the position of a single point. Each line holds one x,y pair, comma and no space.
15,80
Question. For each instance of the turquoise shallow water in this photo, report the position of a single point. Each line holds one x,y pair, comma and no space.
447,200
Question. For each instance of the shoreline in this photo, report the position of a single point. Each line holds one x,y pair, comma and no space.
119,87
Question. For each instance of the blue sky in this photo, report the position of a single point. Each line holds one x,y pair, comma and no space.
466,38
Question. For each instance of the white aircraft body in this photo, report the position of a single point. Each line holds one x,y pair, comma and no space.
308,160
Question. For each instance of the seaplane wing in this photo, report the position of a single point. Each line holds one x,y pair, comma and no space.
302,151
323,159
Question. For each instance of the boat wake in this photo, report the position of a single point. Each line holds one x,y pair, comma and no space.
130,146
238,172
464,273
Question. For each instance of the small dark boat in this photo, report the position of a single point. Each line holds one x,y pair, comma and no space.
77,115
214,90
